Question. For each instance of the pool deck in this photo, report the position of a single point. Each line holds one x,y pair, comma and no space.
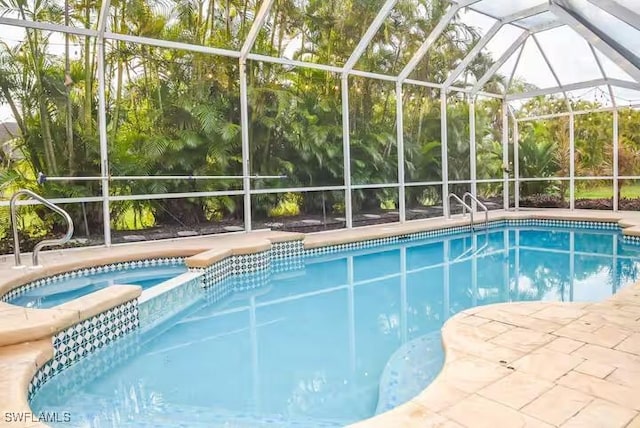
540,364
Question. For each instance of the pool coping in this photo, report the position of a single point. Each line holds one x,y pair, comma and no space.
448,400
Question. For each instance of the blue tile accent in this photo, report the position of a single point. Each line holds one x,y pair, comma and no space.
80,340
459,229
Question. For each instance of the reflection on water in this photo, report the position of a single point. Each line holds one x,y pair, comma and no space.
310,346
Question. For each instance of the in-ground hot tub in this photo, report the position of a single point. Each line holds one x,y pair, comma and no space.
53,291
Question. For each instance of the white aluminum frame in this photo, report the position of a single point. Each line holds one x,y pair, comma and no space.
244,54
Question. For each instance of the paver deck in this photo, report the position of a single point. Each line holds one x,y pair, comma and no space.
535,364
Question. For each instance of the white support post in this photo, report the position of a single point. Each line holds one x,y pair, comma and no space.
246,153
505,155
572,162
472,150
516,165
104,150
102,122
258,22
400,148
616,166
444,153
346,151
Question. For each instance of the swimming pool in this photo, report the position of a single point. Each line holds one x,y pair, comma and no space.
335,341
70,286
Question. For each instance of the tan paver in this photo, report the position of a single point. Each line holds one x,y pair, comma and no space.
548,365
522,339
601,388
516,390
480,412
558,405
599,414
592,368
630,344
563,344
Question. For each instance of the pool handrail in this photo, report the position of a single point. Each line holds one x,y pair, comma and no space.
465,207
45,242
481,205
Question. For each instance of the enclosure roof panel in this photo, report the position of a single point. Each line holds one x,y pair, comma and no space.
501,9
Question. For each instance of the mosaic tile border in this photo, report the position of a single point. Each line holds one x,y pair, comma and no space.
93,366
79,340
235,265
287,249
79,273
459,229
629,239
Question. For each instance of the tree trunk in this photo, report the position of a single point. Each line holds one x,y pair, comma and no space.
49,150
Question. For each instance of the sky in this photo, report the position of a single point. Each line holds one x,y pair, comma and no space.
570,55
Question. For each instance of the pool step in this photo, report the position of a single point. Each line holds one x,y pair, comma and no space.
409,370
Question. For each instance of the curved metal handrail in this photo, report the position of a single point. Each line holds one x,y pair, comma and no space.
44,243
464,207
481,205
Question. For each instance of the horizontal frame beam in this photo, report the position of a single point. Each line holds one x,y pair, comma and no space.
46,26
573,87
575,113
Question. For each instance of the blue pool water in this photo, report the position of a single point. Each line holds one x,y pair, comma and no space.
348,335
67,289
